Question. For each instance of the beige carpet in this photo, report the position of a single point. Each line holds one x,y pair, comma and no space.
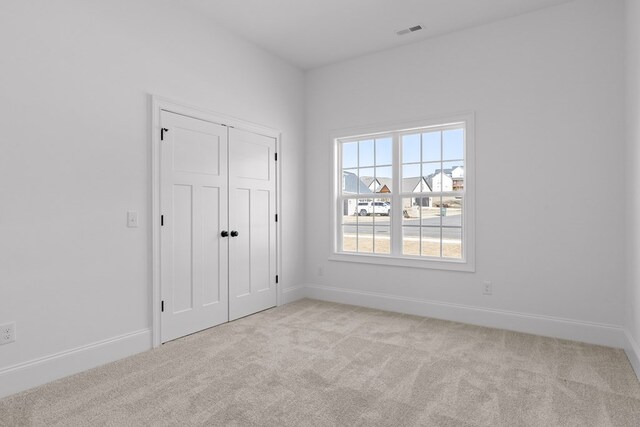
314,363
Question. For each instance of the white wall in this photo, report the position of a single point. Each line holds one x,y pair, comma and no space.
547,90
75,79
632,296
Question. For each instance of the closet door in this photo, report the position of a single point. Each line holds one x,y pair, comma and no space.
252,209
194,208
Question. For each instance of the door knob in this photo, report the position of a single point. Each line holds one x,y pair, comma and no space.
224,233
234,233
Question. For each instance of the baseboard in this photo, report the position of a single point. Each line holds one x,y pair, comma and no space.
26,375
633,353
293,294
575,330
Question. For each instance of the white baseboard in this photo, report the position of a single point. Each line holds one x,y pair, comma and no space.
26,375
575,330
293,294
633,353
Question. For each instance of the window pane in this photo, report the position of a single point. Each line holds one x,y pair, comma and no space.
349,211
410,212
438,180
366,153
456,171
350,155
411,171
367,178
428,174
431,213
453,144
431,241
451,211
411,148
365,239
452,243
381,207
382,240
384,151
411,241
431,146
383,178
364,208
350,181
412,182
349,239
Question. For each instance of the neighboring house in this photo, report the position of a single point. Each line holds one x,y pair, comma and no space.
415,185
351,184
440,180
457,174
378,185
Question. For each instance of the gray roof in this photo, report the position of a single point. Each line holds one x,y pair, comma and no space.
351,184
367,180
409,184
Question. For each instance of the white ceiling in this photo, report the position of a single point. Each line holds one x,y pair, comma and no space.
312,33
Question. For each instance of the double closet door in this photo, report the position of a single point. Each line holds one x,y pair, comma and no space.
218,224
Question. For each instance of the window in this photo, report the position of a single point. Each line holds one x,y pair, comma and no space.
404,197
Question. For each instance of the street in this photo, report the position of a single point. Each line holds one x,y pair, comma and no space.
411,226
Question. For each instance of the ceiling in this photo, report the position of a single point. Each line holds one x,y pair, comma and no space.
313,33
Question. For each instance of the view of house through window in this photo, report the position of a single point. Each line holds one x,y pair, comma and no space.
403,192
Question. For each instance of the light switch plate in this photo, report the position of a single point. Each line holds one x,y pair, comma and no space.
132,219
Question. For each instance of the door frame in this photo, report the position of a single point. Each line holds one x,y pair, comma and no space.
159,104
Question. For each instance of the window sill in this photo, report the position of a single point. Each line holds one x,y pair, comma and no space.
450,265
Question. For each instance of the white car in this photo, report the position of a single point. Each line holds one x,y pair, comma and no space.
373,208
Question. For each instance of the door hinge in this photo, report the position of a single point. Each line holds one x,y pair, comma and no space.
276,157
276,278
162,306
276,217
162,131
161,220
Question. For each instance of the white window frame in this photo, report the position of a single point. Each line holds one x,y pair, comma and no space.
467,262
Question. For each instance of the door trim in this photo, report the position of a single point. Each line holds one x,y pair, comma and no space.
159,104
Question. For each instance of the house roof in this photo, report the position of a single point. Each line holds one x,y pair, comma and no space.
382,182
410,184
367,180
353,185
385,182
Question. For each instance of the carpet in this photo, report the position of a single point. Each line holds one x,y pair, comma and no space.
313,363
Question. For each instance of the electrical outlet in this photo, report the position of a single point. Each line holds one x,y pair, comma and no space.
320,271
487,288
7,333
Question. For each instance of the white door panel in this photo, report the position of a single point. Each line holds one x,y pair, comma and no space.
211,246
182,251
193,199
252,253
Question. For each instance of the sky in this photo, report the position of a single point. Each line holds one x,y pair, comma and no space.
421,154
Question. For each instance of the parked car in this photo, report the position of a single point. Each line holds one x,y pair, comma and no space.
373,208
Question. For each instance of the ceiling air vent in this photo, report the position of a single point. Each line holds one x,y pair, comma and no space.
409,30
